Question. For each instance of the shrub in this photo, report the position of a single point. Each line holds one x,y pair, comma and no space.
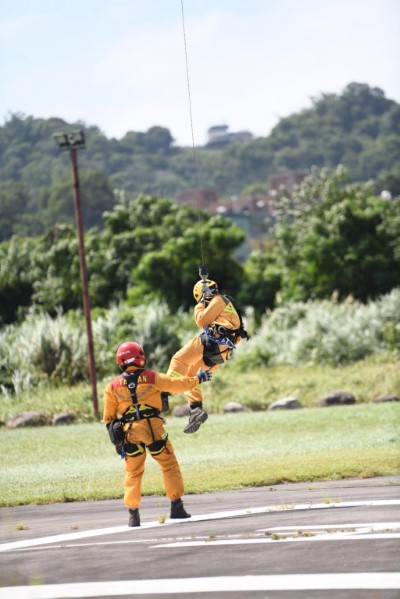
324,332
54,349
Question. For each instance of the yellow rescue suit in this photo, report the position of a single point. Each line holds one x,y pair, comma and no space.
146,433
199,352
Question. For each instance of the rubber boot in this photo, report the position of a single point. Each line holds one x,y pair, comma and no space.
134,518
177,510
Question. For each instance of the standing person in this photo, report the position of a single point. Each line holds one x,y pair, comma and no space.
132,405
223,330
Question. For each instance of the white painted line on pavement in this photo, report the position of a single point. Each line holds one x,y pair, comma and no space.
167,586
60,538
266,540
388,528
371,526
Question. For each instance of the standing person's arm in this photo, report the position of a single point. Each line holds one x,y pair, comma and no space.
179,385
110,405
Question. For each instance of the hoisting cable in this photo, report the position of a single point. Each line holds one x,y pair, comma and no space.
203,268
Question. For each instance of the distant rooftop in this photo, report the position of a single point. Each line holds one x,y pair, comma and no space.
218,136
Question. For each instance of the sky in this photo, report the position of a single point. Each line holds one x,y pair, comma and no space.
120,65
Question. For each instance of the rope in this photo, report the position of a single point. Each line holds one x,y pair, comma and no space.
193,144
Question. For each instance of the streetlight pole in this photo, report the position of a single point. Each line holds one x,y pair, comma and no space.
73,142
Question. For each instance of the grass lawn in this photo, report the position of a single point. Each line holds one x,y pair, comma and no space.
77,462
258,388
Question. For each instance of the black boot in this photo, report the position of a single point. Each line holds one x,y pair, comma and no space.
134,518
178,510
196,418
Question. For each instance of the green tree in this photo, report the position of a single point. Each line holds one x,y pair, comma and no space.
56,271
333,235
16,281
148,248
157,139
169,271
255,189
14,199
262,280
96,197
359,128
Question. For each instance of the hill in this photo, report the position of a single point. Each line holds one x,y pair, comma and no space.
359,128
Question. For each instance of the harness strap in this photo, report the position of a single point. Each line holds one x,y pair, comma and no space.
241,331
131,381
223,340
151,430
157,447
139,412
225,335
212,352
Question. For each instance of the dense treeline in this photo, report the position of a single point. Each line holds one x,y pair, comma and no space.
149,248
332,239
331,236
359,128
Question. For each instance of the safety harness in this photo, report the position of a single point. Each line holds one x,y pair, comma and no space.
137,412
215,335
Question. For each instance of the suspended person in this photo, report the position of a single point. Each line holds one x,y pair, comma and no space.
132,405
222,331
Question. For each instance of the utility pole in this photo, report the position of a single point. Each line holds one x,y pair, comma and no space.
72,142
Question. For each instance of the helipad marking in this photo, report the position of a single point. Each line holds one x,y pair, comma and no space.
61,538
361,528
167,586
266,540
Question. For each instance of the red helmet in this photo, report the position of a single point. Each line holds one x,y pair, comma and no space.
130,354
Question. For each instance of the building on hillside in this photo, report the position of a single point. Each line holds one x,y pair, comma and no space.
218,136
257,204
287,179
253,214
205,199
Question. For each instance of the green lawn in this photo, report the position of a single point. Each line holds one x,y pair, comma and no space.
77,462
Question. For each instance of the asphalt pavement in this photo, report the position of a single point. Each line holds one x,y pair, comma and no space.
318,539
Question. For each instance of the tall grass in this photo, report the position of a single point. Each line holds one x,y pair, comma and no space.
255,389
325,332
44,349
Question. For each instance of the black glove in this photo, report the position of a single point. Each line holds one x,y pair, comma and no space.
204,375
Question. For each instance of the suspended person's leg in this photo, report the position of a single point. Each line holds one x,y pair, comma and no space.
187,362
182,359
198,414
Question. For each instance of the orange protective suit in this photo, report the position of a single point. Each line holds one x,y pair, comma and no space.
198,352
147,433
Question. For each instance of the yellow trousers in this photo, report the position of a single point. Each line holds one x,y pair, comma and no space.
140,433
188,360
